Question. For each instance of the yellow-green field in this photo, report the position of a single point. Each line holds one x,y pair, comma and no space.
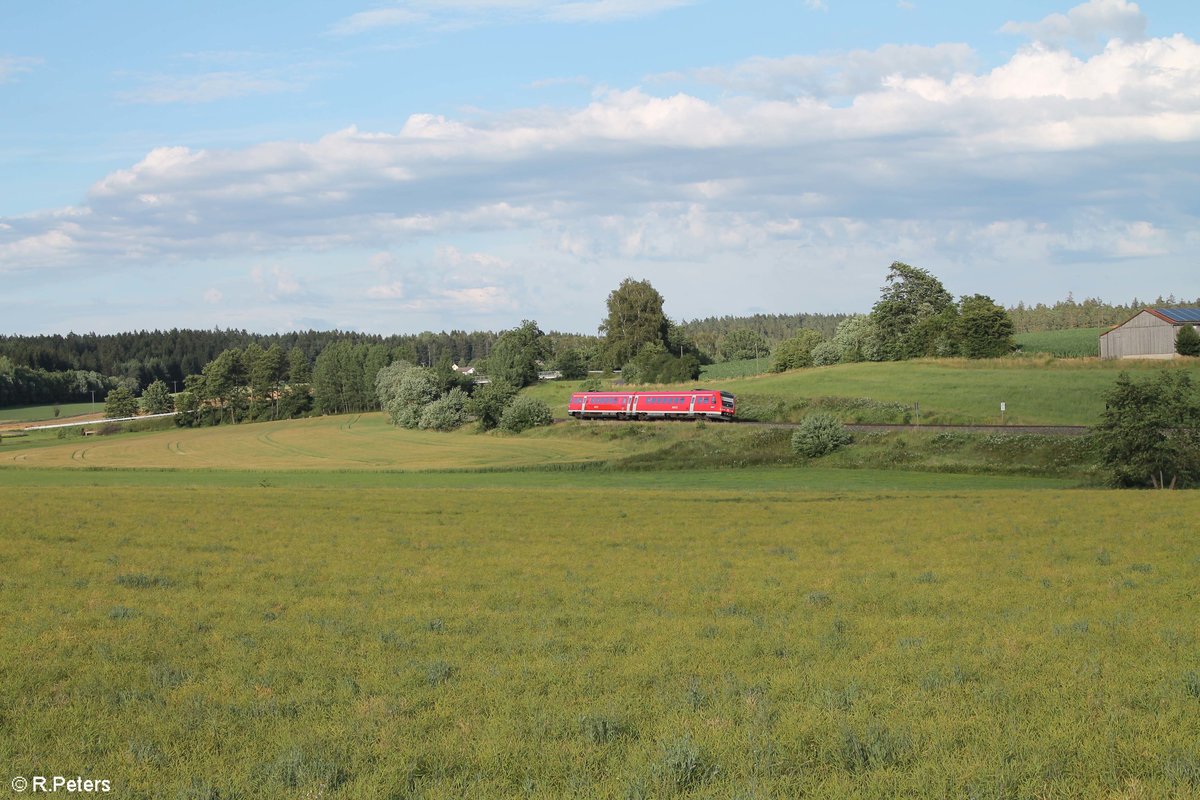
357,441
194,642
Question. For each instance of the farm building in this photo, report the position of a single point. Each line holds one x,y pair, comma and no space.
1148,334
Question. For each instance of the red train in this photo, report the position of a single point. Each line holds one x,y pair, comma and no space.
696,404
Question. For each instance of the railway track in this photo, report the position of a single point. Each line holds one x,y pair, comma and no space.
1042,430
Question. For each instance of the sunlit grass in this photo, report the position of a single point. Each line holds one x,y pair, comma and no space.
1045,391
363,441
484,642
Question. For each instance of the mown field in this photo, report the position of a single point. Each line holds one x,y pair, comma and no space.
206,642
354,442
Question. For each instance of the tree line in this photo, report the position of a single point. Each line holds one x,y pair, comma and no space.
21,385
1088,313
914,317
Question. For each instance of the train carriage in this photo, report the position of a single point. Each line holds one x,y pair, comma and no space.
694,404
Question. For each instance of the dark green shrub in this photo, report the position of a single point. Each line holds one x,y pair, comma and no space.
488,402
446,413
818,435
1187,341
523,413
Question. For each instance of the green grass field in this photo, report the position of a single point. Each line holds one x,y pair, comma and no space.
1073,343
350,447
1043,391
480,642
1068,392
336,608
46,413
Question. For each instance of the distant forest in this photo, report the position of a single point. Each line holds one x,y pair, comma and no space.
707,333
1090,313
65,367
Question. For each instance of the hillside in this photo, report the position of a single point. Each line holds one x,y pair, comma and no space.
950,391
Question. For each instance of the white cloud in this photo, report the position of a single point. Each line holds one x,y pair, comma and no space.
465,13
276,282
11,66
379,18
206,88
387,291
213,296
836,74
835,159
1088,24
607,10
470,300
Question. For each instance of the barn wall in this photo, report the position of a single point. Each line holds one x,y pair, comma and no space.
1144,336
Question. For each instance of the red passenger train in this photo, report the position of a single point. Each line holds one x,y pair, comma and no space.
696,404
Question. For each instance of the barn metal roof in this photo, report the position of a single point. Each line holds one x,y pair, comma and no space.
1179,314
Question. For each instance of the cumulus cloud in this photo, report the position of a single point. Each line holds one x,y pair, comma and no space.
1048,156
469,300
451,281
1091,23
275,281
833,75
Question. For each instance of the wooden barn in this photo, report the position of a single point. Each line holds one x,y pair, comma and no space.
1148,334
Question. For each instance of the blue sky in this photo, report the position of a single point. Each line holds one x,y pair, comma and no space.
410,165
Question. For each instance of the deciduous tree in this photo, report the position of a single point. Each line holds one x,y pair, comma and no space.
982,328
120,402
157,399
635,319
1149,434
488,402
515,356
571,364
796,352
911,315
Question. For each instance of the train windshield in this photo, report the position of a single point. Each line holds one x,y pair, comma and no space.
726,400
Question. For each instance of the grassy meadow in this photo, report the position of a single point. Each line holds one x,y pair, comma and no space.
1036,391
205,642
45,414
333,607
348,447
